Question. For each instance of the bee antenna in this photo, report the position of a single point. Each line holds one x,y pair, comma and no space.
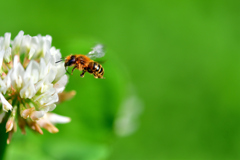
59,61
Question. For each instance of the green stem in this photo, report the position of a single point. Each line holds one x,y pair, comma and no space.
3,139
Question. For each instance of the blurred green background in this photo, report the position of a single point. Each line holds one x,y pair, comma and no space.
180,58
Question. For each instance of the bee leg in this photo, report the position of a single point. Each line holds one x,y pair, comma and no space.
95,76
82,74
66,70
73,69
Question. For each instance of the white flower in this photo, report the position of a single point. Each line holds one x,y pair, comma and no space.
49,119
37,114
6,106
31,83
1,57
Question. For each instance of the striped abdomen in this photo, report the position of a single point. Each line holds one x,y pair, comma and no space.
96,69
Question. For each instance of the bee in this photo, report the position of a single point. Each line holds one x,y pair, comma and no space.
85,63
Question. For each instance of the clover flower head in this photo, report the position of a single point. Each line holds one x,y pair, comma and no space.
30,83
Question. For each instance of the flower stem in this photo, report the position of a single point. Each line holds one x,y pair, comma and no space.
3,139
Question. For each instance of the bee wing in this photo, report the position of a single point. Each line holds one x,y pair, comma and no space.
96,52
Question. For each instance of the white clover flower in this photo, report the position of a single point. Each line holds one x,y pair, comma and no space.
30,82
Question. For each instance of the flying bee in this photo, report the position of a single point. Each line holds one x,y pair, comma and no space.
85,63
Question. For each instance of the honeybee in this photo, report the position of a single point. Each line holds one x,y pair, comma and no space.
85,63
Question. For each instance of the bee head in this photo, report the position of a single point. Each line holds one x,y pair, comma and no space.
70,60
